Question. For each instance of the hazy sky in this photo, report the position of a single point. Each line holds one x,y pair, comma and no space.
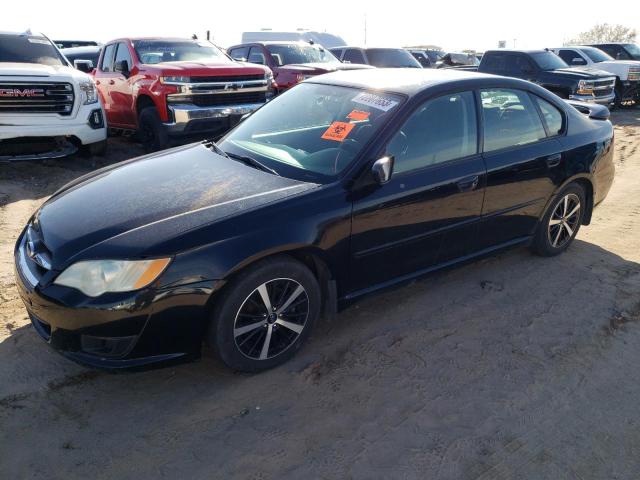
453,25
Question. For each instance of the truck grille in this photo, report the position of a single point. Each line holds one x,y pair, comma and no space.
228,99
603,93
236,78
36,97
634,74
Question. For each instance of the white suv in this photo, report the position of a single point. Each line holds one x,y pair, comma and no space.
48,109
627,72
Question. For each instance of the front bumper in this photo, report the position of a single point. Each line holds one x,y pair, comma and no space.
114,331
605,100
82,126
191,119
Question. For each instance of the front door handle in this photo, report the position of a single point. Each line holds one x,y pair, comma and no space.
112,82
468,184
553,160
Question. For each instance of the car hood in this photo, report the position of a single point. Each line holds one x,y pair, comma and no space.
581,73
322,67
35,71
223,67
153,199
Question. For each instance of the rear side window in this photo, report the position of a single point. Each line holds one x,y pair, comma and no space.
353,56
440,130
510,119
107,59
552,116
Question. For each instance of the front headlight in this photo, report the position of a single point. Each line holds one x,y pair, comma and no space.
95,277
174,80
585,87
88,88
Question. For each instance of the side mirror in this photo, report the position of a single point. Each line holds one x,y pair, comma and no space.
382,170
83,65
123,67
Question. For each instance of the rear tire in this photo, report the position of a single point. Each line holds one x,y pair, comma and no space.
560,224
265,314
151,132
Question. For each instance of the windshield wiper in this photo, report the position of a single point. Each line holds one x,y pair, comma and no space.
252,162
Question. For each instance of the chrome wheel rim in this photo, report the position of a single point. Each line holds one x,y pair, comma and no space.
564,220
271,319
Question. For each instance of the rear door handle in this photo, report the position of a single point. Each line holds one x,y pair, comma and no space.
468,184
112,82
554,160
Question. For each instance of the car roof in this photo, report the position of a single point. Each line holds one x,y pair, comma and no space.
407,81
514,50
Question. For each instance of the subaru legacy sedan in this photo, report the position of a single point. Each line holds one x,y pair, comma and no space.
346,184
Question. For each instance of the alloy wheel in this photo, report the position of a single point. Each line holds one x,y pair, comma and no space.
564,220
271,318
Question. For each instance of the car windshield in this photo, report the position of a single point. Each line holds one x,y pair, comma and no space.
288,54
596,55
28,49
313,131
548,61
156,51
633,50
391,58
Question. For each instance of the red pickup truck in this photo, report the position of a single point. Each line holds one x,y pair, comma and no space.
165,87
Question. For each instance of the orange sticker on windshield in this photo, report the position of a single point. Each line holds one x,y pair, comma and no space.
358,115
338,131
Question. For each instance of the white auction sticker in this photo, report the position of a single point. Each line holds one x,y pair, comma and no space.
375,101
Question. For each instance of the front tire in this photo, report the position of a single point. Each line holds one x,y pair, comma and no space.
151,132
265,314
560,224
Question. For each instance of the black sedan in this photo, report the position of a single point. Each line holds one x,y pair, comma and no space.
346,184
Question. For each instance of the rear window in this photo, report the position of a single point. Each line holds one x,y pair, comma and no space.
391,58
28,49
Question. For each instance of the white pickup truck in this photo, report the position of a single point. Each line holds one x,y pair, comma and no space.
627,72
48,109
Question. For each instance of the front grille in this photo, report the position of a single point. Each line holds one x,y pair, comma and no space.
36,97
603,93
222,99
235,78
603,84
634,74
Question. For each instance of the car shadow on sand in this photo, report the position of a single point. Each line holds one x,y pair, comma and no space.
502,366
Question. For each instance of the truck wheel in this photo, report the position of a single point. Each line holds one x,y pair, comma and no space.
151,131
97,149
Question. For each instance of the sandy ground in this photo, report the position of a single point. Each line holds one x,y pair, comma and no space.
515,367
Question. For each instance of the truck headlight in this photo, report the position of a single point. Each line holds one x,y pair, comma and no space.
585,87
88,89
271,85
95,277
174,80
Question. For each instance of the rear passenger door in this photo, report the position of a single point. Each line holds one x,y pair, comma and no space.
524,162
104,78
429,211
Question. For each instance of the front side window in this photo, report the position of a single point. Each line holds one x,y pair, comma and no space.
241,53
571,57
548,61
28,49
313,131
552,116
442,129
107,58
510,119
256,55
156,51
